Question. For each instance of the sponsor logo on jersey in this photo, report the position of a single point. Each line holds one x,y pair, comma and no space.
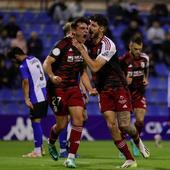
138,73
106,53
70,59
76,58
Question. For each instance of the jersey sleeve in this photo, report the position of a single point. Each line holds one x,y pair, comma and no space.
58,48
24,71
108,50
144,55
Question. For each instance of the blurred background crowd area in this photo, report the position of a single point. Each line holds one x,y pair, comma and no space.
35,25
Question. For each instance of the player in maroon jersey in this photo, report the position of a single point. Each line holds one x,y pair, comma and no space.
64,65
135,64
111,84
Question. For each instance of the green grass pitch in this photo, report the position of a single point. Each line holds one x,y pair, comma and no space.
98,155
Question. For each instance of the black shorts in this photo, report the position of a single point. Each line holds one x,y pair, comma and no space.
40,110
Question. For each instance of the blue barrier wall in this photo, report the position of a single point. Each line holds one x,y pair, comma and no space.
19,128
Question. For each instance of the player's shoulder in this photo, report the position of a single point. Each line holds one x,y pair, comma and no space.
108,42
61,46
108,45
144,56
63,42
31,59
126,57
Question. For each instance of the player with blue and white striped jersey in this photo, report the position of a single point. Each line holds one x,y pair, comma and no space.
34,88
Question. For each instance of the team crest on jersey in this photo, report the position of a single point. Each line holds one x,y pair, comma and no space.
142,64
122,100
56,51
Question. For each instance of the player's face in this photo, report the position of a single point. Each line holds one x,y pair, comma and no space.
81,32
94,30
17,61
135,49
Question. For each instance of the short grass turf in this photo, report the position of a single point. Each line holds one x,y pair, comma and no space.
97,155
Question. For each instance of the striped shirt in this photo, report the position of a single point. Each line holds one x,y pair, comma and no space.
31,69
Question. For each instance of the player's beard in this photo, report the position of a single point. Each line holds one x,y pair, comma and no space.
95,35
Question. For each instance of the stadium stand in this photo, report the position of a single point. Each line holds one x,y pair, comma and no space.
11,100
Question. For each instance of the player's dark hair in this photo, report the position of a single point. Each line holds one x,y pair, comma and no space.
137,39
79,20
100,19
15,51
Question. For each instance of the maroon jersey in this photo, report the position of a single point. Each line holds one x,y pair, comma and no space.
135,68
68,65
110,75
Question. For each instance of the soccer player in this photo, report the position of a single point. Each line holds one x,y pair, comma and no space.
64,135
63,65
34,88
112,87
158,137
135,64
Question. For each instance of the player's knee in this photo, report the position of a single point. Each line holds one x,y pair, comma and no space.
123,129
60,126
78,122
112,125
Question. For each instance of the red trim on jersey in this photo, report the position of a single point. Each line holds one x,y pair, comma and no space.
107,42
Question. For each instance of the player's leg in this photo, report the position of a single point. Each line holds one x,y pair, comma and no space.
63,143
120,143
54,133
107,105
124,106
76,113
127,127
37,134
39,111
139,124
64,138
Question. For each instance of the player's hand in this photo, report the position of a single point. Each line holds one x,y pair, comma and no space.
85,97
78,45
145,82
93,92
56,79
29,103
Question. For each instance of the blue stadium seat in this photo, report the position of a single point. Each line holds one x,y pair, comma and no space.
158,83
5,95
161,69
28,17
156,96
153,110
162,96
117,31
17,95
42,17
